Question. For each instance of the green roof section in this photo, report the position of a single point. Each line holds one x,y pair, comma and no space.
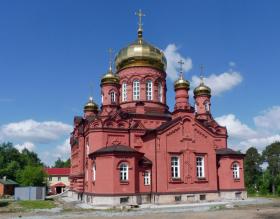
8,182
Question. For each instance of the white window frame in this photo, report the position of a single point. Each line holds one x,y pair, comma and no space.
136,90
124,91
200,167
123,172
207,106
175,167
113,96
94,172
147,178
149,90
87,146
160,92
236,170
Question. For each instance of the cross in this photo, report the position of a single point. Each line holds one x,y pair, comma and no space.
140,15
91,92
201,73
181,63
110,58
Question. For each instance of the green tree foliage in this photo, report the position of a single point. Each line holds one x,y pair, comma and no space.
252,168
12,162
32,176
271,155
62,164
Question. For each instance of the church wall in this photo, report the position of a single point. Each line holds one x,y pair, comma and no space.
225,173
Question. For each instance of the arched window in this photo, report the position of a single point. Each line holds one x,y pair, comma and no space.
94,172
124,91
195,107
102,98
149,90
113,96
136,90
160,92
235,170
124,172
207,106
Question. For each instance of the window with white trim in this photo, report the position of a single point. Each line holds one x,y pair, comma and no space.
235,170
123,172
136,90
200,167
175,167
160,92
102,98
147,178
113,96
124,91
149,90
207,106
94,172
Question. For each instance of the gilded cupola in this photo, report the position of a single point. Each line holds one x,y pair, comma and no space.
181,83
202,89
140,53
110,77
90,106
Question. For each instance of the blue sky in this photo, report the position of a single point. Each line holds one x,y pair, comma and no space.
51,51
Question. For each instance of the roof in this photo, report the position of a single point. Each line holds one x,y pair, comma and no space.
227,151
61,184
164,126
58,171
8,182
115,149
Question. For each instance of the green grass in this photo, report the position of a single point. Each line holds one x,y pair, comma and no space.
263,196
38,204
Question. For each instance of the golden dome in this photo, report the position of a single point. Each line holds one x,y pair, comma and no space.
181,83
140,53
202,89
90,106
110,78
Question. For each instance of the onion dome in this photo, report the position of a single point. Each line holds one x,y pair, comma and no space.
181,83
90,106
202,89
140,53
110,78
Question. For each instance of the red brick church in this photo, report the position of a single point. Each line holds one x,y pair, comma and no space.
134,149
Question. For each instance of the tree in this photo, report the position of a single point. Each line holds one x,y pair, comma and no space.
62,164
32,176
12,162
252,169
271,155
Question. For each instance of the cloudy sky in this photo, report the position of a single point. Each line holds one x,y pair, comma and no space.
51,51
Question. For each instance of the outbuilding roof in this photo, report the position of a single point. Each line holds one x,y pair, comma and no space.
58,171
8,182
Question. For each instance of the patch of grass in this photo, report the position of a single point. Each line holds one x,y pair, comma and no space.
37,204
255,195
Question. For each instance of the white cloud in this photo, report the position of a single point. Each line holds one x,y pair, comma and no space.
33,131
265,131
260,142
235,127
63,150
28,145
220,83
269,119
173,57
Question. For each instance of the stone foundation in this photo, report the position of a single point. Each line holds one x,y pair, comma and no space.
157,198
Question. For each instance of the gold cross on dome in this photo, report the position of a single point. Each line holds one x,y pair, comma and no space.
181,63
110,58
201,73
140,15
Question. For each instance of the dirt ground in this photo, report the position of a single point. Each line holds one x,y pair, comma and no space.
266,211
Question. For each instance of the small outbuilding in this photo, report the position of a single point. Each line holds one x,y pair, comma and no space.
7,186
